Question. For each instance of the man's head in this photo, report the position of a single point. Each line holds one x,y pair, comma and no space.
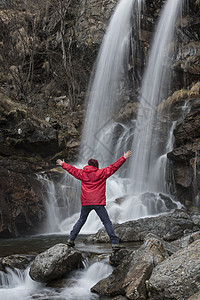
93,162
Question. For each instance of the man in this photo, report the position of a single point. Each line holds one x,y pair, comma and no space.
93,188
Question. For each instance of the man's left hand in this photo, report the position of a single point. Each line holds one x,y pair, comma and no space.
59,162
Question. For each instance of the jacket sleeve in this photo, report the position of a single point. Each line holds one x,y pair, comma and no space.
108,171
77,173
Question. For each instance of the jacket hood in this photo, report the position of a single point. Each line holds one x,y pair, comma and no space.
90,169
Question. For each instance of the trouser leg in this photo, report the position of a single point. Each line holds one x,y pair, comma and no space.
85,210
103,215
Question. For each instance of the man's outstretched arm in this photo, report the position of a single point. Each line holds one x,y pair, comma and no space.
108,171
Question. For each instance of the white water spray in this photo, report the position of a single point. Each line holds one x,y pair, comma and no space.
62,202
17,284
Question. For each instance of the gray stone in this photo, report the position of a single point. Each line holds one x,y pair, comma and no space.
129,277
54,263
21,203
169,226
195,296
119,298
178,276
17,261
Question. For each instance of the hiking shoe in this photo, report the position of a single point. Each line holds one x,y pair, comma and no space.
70,243
116,247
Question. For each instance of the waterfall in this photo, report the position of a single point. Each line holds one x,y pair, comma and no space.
142,190
107,81
17,284
108,78
62,202
146,145
85,280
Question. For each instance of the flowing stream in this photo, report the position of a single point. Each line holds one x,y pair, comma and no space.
17,284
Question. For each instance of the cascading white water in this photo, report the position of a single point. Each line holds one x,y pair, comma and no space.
61,201
85,280
17,284
106,82
146,146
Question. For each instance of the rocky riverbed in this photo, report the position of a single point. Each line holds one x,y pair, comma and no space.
165,266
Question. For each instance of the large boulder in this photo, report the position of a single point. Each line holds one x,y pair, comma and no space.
21,203
55,263
178,276
169,226
129,277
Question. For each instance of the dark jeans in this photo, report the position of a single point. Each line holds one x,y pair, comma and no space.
103,215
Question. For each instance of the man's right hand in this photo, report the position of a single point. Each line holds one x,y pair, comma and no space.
127,154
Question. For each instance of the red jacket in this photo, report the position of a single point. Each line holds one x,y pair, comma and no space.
93,181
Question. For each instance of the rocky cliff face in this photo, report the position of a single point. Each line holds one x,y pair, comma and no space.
44,83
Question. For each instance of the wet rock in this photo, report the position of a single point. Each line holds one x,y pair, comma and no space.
91,26
129,277
169,226
178,276
54,263
189,60
185,241
21,204
184,106
157,202
195,296
172,247
61,283
184,154
128,112
119,298
17,261
117,257
188,130
172,108
22,133
1,266
185,160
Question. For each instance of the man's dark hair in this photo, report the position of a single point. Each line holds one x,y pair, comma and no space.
93,162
